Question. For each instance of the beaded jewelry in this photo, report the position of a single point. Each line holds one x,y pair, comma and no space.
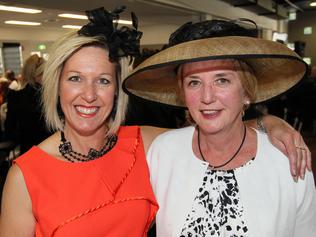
65,149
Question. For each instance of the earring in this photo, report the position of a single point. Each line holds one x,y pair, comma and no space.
246,106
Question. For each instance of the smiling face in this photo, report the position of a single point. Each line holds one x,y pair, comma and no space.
213,93
87,90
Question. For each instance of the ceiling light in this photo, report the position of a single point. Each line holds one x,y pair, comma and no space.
19,9
27,23
313,4
74,16
83,17
125,22
71,27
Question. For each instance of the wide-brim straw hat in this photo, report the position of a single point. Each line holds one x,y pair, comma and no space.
276,67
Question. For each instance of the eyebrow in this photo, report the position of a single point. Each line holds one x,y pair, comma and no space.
102,74
223,74
192,76
220,74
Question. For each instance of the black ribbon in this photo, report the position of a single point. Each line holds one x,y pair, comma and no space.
123,41
213,28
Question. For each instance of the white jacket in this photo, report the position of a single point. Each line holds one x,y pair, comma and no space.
274,205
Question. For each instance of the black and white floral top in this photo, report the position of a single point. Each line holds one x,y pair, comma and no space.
217,209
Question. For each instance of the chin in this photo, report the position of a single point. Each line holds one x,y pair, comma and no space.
211,128
88,130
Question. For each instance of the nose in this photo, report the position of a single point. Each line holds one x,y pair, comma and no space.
207,94
89,93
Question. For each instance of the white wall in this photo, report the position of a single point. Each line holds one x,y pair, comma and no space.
29,38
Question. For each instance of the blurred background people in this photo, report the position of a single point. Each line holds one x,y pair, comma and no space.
5,82
25,123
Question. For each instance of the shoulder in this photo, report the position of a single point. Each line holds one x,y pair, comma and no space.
264,142
268,154
176,135
171,147
14,175
16,199
15,186
128,131
51,144
173,139
149,133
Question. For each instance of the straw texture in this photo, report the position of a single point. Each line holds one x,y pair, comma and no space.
276,67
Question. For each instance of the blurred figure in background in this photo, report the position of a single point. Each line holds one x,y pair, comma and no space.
5,85
24,114
15,82
5,82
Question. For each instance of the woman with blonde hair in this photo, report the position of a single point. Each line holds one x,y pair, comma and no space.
24,111
90,178
32,70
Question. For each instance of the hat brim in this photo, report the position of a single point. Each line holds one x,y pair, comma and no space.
276,67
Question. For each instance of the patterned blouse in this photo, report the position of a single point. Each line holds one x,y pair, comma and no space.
217,209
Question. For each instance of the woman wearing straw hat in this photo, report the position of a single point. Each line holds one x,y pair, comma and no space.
219,177
90,178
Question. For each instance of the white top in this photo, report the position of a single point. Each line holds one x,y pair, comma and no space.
274,205
14,85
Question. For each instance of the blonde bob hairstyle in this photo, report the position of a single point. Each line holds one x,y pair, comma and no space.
63,49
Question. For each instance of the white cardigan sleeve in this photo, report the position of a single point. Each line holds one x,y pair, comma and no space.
306,207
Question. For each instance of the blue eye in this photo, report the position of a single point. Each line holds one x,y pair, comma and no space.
104,81
74,78
194,83
222,81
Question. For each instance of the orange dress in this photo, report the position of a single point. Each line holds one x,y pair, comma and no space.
110,196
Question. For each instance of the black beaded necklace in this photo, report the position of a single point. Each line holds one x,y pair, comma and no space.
229,160
65,149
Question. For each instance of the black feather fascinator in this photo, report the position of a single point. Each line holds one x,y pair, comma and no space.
122,41
213,28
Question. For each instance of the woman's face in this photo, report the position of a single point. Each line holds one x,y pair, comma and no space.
87,89
213,94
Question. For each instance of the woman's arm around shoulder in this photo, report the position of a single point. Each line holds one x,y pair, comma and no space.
149,133
289,141
17,219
